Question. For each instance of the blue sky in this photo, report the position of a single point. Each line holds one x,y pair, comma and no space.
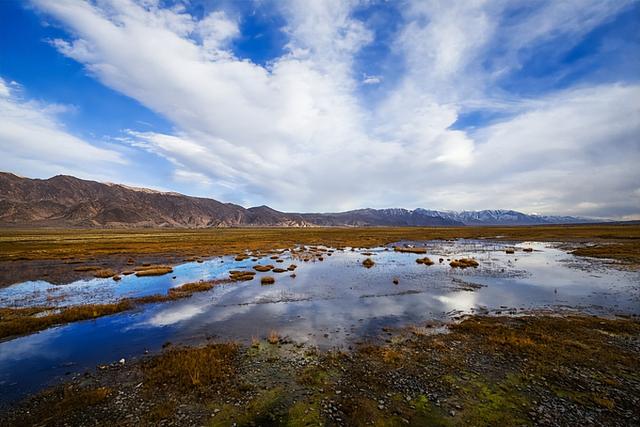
331,105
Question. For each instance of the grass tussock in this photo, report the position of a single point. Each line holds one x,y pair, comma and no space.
104,273
527,249
184,369
263,268
410,250
279,270
273,337
241,275
189,289
292,267
154,270
425,261
464,263
368,263
267,280
510,251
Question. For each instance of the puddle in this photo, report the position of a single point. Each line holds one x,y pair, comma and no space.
330,303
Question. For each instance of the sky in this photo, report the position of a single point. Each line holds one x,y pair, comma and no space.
327,105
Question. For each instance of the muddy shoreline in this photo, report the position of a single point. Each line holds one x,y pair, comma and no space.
542,370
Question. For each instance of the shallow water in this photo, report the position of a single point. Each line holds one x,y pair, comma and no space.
330,303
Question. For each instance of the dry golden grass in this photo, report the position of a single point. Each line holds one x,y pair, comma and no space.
263,268
368,263
26,244
188,368
425,261
273,337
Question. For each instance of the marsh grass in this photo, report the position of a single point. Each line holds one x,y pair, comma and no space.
183,369
425,261
31,244
263,268
20,321
279,270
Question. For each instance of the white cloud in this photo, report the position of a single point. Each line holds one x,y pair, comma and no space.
33,140
371,80
296,135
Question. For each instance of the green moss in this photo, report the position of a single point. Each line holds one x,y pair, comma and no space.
304,413
313,376
489,404
428,414
262,410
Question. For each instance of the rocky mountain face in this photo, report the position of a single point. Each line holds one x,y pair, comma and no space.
66,201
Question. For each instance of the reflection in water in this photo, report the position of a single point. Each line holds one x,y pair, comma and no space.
329,303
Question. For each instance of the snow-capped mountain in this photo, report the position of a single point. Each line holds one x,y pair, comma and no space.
503,217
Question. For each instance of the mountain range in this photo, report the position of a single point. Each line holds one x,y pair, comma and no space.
66,201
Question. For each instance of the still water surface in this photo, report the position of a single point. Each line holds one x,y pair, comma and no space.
330,303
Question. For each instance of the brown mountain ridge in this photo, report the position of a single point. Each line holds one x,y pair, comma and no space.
66,201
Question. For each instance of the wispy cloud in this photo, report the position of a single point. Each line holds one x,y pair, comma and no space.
33,138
